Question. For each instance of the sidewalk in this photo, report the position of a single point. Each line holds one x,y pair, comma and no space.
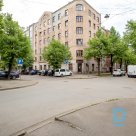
14,84
95,120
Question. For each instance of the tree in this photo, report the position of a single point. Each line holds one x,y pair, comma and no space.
96,48
56,53
1,4
13,43
28,61
130,34
120,53
113,41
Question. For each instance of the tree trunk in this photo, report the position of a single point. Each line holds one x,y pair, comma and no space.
10,66
111,61
126,64
120,63
98,60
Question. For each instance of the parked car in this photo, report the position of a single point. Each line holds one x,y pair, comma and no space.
131,71
123,72
13,74
62,72
50,72
33,72
119,72
39,72
44,73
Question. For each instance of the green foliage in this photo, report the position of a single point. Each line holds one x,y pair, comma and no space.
113,41
96,48
56,53
13,43
130,34
1,4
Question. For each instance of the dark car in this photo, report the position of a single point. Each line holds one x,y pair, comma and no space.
33,72
51,72
13,75
44,73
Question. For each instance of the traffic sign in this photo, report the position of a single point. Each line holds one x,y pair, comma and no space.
66,62
20,62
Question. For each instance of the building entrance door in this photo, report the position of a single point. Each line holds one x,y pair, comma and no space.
79,65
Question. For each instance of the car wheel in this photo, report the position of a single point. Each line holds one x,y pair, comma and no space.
14,77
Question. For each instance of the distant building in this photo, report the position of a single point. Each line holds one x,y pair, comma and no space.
73,24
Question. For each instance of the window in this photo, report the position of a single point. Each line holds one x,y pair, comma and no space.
90,33
90,13
40,67
79,30
79,18
44,23
66,23
35,58
93,15
53,19
94,26
79,53
66,33
59,36
40,58
49,30
35,51
59,16
98,27
40,42
66,12
40,33
97,19
53,29
79,7
44,67
59,25
79,41
66,44
53,37
44,40
49,21
44,32
89,23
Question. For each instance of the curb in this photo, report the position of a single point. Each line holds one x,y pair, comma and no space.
12,88
41,124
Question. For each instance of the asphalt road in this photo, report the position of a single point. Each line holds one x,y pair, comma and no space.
24,107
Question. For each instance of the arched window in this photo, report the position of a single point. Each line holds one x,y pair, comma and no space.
79,7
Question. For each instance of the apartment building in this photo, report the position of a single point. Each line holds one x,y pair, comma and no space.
73,24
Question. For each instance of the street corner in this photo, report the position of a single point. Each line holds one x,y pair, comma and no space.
115,118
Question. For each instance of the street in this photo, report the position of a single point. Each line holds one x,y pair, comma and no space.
21,108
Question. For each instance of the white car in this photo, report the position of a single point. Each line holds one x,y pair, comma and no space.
62,72
117,72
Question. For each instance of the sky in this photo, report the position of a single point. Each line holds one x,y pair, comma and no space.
27,12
